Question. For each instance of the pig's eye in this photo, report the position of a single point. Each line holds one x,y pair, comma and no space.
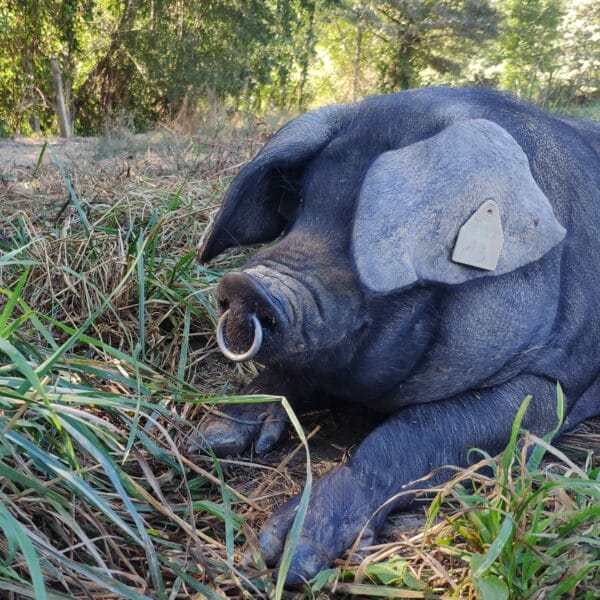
288,207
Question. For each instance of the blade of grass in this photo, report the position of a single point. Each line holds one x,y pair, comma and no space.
570,583
84,221
32,378
227,506
25,368
33,317
13,299
86,440
49,463
538,451
141,293
7,258
509,452
183,352
503,537
294,535
38,162
51,361
110,584
13,529
362,590
10,474
26,592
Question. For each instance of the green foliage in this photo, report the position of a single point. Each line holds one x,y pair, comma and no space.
420,35
530,530
528,44
96,495
75,431
149,61
590,110
579,50
35,31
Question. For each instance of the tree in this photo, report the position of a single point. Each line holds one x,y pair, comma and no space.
149,58
578,74
39,50
528,45
82,63
416,34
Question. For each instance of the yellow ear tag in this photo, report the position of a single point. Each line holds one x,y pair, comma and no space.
480,239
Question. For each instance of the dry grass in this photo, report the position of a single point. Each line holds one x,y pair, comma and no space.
107,323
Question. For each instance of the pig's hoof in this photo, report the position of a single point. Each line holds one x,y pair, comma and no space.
339,508
236,427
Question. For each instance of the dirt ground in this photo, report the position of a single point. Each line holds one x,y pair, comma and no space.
23,153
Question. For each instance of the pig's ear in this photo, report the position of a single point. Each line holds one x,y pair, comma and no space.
459,205
255,204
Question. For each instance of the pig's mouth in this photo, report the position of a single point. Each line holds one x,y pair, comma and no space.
252,350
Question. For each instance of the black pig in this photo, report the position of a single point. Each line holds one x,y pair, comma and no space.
437,258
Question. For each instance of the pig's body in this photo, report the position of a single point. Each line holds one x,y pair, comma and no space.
450,351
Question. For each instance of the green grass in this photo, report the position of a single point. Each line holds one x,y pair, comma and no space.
103,311
108,361
528,528
80,470
532,529
590,110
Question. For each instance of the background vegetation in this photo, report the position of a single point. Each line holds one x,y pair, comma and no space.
150,60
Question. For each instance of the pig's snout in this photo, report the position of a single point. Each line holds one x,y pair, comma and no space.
246,312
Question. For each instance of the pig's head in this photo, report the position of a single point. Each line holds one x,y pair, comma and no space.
362,212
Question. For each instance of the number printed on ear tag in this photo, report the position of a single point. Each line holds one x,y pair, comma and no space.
480,239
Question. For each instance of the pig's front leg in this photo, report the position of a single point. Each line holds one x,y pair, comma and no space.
234,428
406,447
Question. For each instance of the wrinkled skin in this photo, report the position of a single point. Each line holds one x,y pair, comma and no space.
449,362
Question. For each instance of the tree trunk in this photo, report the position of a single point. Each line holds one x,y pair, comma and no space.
357,62
308,51
64,123
213,102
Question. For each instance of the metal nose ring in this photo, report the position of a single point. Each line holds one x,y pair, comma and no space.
254,348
